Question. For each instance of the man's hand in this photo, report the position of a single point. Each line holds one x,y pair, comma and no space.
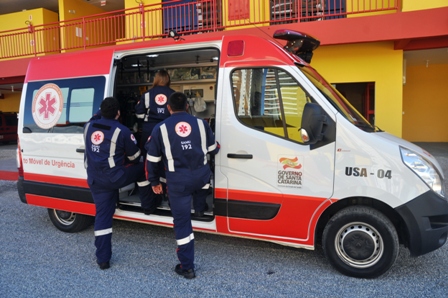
157,189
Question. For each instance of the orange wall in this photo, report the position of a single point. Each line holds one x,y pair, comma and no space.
11,102
425,103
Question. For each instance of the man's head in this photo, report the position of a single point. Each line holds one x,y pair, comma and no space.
110,107
178,102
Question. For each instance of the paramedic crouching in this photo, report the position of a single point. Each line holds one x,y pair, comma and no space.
182,142
107,145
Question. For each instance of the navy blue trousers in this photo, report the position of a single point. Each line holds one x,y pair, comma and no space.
105,197
181,187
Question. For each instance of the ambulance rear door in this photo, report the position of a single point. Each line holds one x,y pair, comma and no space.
60,95
276,186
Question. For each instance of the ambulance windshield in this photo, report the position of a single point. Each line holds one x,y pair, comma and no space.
337,100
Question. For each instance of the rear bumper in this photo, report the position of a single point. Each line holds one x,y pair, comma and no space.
426,220
21,190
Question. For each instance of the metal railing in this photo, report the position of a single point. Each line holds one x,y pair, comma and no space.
155,21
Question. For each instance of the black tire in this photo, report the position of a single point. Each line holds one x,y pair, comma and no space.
360,241
69,222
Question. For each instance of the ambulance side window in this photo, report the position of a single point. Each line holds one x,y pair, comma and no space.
81,104
81,98
269,100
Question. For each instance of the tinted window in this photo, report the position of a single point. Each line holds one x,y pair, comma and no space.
81,99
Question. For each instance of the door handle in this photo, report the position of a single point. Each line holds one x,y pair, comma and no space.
80,150
239,156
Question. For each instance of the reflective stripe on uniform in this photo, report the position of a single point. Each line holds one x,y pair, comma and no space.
85,138
153,158
113,147
143,183
146,106
212,147
163,180
103,232
133,157
185,240
166,144
207,186
203,139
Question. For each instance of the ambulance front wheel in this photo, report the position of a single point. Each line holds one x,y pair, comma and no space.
68,221
360,241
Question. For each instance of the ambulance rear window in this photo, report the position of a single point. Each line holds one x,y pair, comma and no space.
62,106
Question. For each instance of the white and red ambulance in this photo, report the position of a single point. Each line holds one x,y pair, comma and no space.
298,164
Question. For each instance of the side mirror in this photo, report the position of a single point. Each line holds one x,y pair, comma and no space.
314,123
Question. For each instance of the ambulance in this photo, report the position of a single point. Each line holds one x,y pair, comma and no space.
298,165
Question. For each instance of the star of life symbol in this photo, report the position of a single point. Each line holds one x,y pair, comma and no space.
161,99
47,106
183,129
97,137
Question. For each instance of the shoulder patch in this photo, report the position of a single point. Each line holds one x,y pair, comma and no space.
133,138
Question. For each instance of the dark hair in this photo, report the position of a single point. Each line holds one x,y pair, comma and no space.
110,107
178,101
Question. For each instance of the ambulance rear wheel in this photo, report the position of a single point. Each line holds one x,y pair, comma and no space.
360,241
68,221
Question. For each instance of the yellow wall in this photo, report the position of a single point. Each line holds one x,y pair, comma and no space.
47,40
151,20
425,103
259,11
372,62
75,9
355,6
11,102
409,5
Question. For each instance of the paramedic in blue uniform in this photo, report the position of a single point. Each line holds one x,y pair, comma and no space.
182,142
112,161
152,106
152,109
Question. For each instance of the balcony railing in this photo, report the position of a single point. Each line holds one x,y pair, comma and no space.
156,20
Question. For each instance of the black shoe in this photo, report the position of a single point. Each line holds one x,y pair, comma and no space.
201,213
149,211
104,265
188,274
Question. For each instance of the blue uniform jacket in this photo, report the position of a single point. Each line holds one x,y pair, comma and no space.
107,145
152,106
182,141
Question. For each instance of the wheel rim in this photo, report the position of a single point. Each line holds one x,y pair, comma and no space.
64,217
359,245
